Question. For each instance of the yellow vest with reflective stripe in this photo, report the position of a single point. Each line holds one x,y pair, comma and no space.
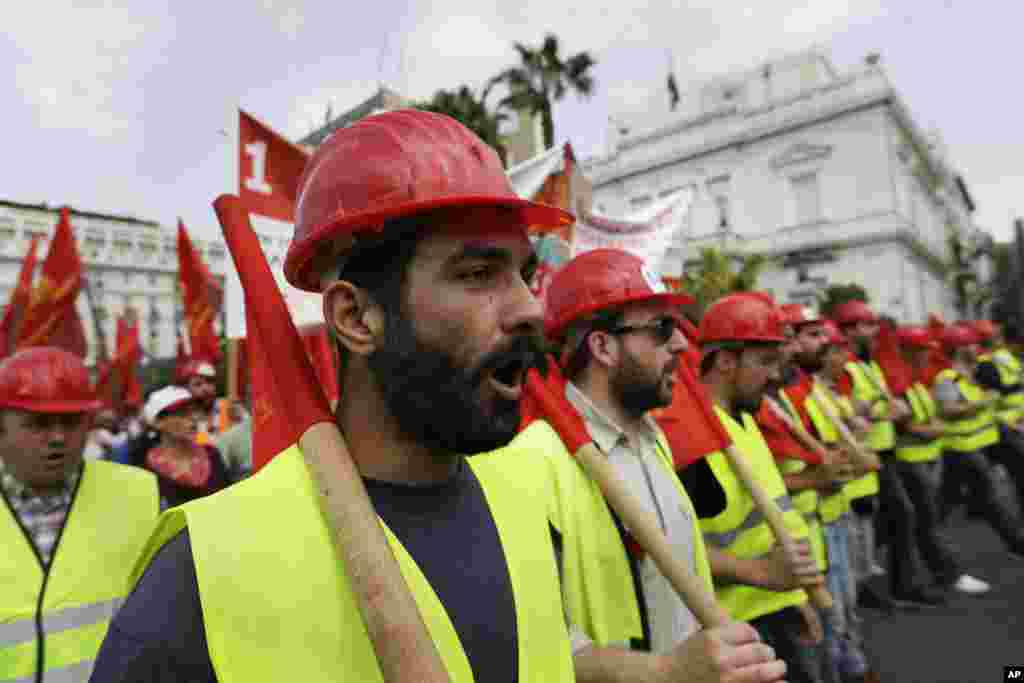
832,506
277,604
969,433
806,501
1011,406
869,386
55,619
597,579
741,530
911,448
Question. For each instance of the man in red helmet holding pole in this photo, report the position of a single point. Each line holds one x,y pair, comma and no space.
621,347
69,531
969,412
741,337
407,226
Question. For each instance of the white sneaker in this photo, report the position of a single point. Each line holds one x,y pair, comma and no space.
970,585
877,570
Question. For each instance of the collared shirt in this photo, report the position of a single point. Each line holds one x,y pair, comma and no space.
640,464
41,514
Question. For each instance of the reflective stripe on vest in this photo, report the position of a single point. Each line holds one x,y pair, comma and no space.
912,447
733,525
1011,405
832,506
242,547
868,384
969,433
56,620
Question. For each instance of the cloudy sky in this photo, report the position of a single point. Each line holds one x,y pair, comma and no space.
122,107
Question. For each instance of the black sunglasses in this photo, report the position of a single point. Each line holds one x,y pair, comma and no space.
660,329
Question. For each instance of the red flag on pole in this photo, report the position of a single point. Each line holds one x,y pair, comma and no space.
269,167
19,301
129,355
202,297
898,373
51,318
937,358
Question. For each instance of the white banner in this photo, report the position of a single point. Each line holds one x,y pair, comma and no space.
647,238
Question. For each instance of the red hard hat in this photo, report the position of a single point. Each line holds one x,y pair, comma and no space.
45,379
597,280
985,329
198,368
745,317
798,314
958,335
391,165
850,312
832,334
916,336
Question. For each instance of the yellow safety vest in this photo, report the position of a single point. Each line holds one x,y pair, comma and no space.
741,529
277,604
913,448
869,386
53,620
832,506
597,577
970,433
1011,406
806,501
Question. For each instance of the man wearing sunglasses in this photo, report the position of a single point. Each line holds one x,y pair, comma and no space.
621,343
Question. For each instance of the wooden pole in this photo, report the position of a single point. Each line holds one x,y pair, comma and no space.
866,459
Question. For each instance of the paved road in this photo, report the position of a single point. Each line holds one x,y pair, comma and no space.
970,639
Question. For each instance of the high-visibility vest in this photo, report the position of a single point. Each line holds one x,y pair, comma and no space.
911,447
741,530
869,386
808,500
1011,405
969,433
53,619
277,603
832,506
597,577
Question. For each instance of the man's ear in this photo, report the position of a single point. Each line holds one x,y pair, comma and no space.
603,348
353,317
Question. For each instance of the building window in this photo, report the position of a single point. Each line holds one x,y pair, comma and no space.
640,201
722,208
718,190
806,198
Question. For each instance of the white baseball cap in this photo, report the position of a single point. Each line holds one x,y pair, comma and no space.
165,399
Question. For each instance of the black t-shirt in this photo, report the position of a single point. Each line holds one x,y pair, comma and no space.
986,374
158,635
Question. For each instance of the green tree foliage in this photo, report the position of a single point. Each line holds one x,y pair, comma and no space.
716,275
464,106
544,77
839,294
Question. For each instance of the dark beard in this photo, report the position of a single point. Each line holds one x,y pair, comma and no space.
435,401
747,404
812,363
634,389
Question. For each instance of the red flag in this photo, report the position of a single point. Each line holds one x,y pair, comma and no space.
19,301
129,355
898,373
783,444
286,398
180,360
51,318
269,167
202,297
937,358
321,354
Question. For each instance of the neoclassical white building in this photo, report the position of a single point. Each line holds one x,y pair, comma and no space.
826,172
128,262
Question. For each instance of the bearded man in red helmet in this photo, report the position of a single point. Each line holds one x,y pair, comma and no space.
69,530
407,226
621,342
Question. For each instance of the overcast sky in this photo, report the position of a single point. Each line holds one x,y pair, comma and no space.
119,108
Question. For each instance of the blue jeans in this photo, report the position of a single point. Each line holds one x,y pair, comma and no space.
843,641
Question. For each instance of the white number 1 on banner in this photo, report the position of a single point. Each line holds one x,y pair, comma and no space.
257,182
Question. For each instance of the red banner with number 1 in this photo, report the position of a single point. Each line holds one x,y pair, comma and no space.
269,169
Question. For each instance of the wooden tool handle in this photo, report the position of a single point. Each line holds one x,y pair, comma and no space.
865,458
644,528
405,652
796,427
817,592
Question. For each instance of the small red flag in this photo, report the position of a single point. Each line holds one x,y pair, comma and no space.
19,301
898,373
269,167
286,397
937,358
51,318
202,299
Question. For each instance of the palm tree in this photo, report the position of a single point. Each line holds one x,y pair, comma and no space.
714,276
543,78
